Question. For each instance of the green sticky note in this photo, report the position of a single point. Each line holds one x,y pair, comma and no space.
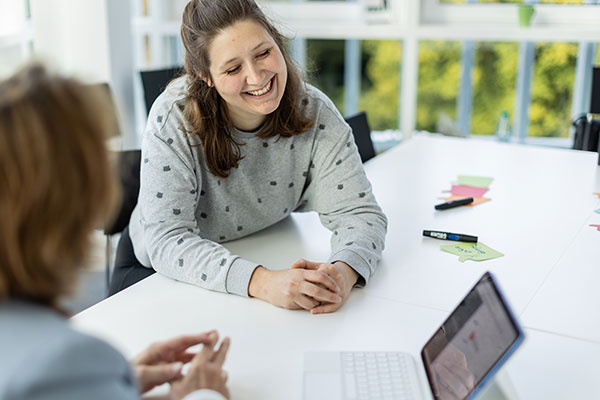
477,181
472,251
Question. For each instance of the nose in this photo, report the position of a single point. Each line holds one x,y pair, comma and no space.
255,74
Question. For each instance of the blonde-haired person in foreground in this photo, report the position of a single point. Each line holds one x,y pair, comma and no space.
55,187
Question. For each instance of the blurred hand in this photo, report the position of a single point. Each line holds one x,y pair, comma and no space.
344,276
205,372
295,288
161,362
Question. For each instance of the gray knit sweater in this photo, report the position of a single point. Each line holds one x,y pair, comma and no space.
184,211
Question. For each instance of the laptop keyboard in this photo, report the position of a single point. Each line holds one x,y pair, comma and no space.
377,375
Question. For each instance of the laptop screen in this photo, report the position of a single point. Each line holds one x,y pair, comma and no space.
472,343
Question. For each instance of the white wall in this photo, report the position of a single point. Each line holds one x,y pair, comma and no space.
72,36
12,17
90,39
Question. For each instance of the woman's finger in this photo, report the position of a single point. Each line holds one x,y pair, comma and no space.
318,293
184,342
178,345
169,350
322,278
150,376
207,352
305,302
221,354
305,264
332,271
186,357
326,308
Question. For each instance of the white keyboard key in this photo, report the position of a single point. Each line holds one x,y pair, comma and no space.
377,376
350,386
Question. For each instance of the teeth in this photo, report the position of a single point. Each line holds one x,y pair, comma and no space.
261,91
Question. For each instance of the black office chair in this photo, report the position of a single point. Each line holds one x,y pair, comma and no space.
362,135
587,126
128,167
155,82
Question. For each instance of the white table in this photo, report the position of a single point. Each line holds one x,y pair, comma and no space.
541,205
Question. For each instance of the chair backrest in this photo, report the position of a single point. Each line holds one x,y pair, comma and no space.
595,98
129,178
362,135
155,82
587,126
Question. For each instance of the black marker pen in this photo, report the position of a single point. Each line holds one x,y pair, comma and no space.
458,237
454,203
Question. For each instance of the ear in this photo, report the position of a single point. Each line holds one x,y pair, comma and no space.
206,80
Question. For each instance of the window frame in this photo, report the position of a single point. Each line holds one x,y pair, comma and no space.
409,21
556,15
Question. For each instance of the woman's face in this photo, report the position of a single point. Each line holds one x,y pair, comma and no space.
248,71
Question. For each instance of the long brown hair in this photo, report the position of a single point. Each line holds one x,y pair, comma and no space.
55,181
204,109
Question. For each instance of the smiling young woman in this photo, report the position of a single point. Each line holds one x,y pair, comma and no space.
235,146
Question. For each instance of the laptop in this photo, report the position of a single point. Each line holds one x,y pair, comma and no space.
461,357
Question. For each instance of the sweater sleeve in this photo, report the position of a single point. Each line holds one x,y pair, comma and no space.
340,192
170,188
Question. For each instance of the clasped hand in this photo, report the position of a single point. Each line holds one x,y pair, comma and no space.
162,362
308,285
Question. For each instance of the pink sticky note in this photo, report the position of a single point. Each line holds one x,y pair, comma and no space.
469,191
596,226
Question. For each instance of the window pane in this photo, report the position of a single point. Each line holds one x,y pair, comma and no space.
494,79
303,1
381,82
517,1
552,91
380,77
173,50
562,1
481,1
11,57
325,65
494,82
439,72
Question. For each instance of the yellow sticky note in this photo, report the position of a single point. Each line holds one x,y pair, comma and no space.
472,251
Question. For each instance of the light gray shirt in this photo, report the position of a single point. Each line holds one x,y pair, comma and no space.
184,211
42,357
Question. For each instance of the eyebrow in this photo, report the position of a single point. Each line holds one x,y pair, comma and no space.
223,65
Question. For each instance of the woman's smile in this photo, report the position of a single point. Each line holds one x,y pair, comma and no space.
262,91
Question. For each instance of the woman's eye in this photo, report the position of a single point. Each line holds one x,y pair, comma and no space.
232,70
264,53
